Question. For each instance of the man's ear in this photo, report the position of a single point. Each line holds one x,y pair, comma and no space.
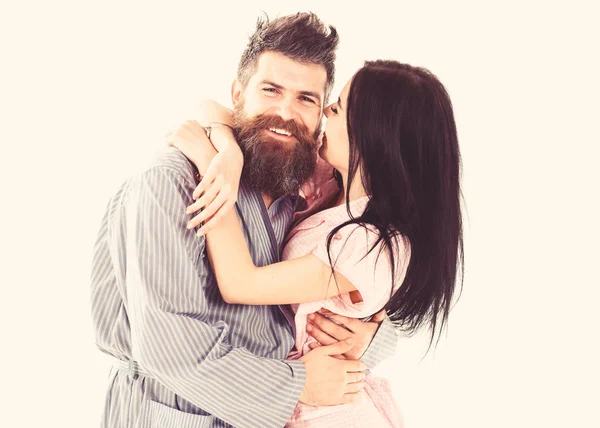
236,92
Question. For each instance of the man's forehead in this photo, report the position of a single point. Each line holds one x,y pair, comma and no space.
290,74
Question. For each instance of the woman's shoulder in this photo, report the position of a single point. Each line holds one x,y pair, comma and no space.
365,244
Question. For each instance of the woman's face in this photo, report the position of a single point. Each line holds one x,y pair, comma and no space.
336,147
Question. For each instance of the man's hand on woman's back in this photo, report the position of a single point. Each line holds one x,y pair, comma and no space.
329,328
329,380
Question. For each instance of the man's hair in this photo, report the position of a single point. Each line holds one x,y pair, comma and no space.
302,37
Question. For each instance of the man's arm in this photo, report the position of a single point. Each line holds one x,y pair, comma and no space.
190,356
170,339
376,340
383,345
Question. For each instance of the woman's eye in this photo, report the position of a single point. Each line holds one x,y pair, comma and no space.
333,109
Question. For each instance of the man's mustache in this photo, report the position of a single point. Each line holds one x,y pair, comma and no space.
273,121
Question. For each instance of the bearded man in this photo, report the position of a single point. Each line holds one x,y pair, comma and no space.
183,356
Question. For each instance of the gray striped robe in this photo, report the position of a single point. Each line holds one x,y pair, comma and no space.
183,357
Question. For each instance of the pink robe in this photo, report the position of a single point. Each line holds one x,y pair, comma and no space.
371,275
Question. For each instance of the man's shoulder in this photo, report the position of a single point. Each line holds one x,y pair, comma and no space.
169,162
169,173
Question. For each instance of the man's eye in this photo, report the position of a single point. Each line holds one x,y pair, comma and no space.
310,100
271,90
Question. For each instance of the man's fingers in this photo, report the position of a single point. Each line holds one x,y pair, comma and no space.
351,324
354,377
330,327
352,397
340,357
322,337
353,388
354,366
339,348
313,345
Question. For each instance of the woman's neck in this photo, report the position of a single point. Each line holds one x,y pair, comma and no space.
357,190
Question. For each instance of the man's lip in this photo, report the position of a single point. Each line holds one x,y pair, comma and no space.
281,136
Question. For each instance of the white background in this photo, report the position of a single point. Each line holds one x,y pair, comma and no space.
87,90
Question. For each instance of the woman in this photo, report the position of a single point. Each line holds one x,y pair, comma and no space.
386,231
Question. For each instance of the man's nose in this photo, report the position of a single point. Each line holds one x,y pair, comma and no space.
287,110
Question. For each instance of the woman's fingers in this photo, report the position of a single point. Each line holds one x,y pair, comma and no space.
196,206
208,178
211,192
203,203
212,208
212,222
206,199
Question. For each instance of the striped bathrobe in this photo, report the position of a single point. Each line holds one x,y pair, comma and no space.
184,357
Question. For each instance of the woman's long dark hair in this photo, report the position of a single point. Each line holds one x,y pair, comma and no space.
403,136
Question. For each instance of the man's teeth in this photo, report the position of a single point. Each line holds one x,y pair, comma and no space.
280,131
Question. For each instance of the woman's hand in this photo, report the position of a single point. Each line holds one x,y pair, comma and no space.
191,139
209,111
217,191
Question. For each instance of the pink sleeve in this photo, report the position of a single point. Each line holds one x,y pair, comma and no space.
371,273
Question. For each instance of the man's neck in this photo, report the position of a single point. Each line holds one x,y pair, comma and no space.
268,200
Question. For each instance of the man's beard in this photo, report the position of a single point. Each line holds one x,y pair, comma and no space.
274,167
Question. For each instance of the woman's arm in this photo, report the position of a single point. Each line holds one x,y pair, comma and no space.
240,281
304,279
189,138
218,190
